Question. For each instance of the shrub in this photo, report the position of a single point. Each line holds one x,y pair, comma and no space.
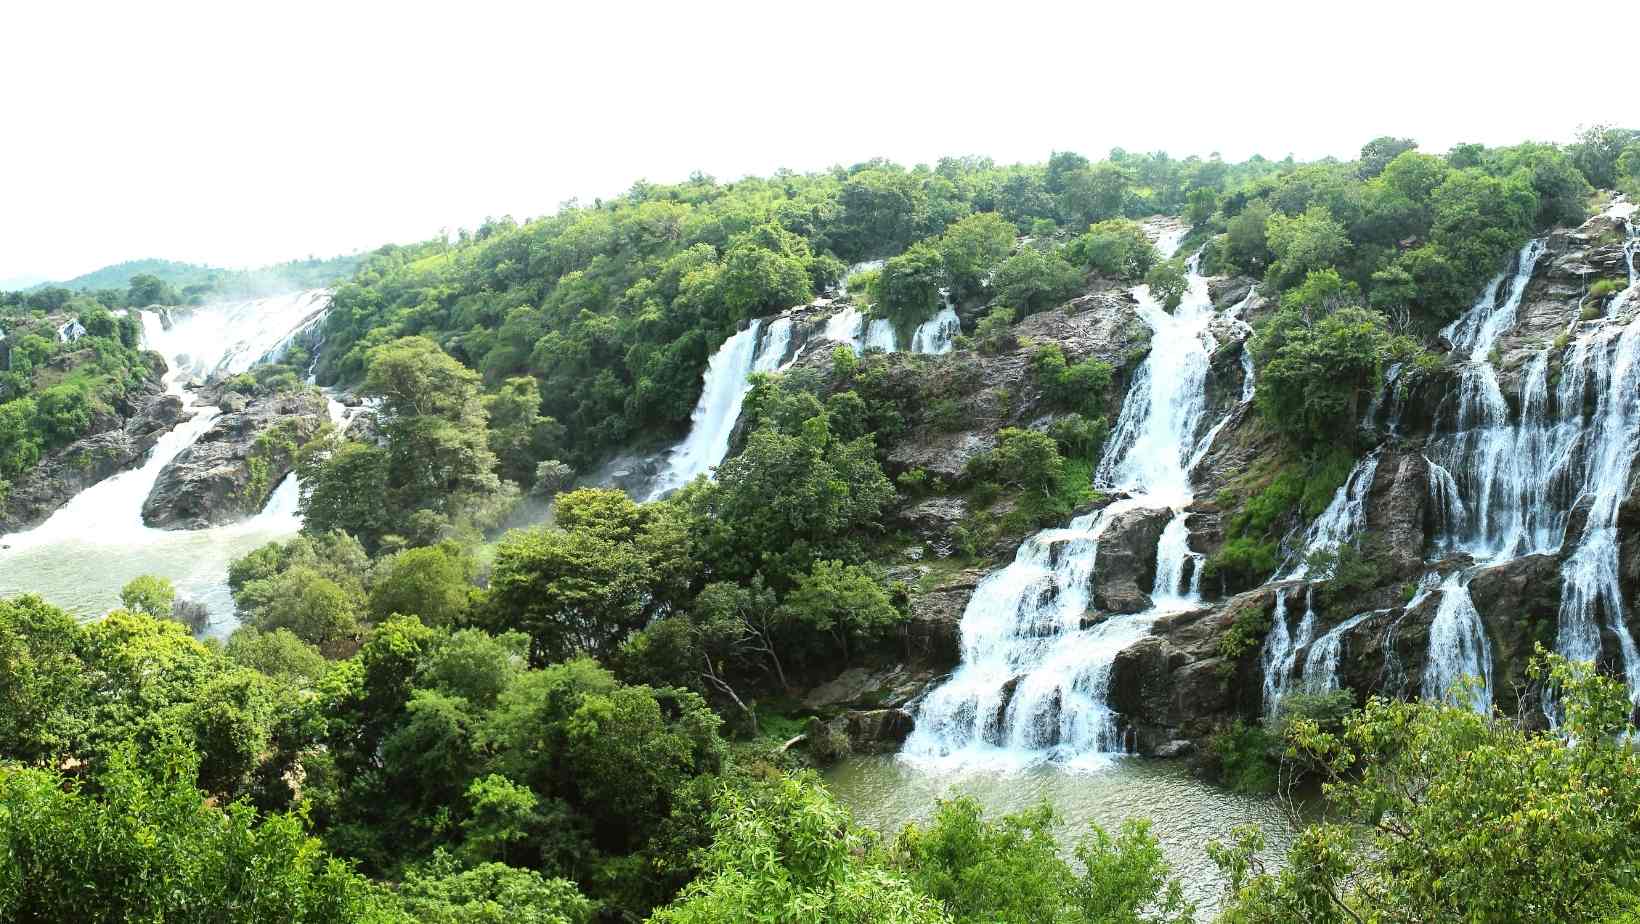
994,332
1244,755
1247,630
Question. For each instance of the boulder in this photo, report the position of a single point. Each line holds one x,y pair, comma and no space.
1519,601
1126,565
229,473
889,687
862,731
933,519
934,631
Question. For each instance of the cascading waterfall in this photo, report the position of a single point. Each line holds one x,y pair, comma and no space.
1491,460
1321,661
1282,645
1458,648
727,379
1034,682
935,336
84,553
1340,523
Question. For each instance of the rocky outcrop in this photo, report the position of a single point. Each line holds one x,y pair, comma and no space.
1519,600
934,631
1398,513
862,731
229,473
1127,560
121,440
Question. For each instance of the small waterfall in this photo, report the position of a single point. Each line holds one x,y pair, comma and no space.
727,379
1458,648
1395,673
1451,516
1340,523
1321,662
1282,645
879,335
938,334
1034,683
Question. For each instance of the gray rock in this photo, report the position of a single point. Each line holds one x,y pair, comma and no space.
1127,560
1178,747
121,443
223,478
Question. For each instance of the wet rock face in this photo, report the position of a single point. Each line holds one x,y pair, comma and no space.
121,441
934,632
1519,601
231,471
1126,565
1398,512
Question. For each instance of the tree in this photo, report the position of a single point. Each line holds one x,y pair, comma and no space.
1246,238
147,289
1012,870
444,892
313,607
1118,249
44,682
1465,817
344,487
1168,282
843,600
278,654
1312,241
143,845
520,436
782,851
1315,373
1597,151
1027,459
1377,154
1032,281
973,247
907,290
149,595
433,582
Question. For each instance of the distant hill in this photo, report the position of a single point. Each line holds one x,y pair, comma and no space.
217,282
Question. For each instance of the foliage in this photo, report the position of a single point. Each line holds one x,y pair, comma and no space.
1467,817
1167,282
784,851
149,594
1117,249
147,847
1033,280
1012,870
434,582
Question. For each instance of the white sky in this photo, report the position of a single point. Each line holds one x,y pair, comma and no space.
237,135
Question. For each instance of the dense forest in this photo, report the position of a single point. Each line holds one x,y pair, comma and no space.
427,716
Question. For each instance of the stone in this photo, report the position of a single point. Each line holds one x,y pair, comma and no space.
1172,750
1127,560
215,482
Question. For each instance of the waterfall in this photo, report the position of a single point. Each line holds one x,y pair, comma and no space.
1281,647
230,337
1395,672
1034,681
938,334
1341,522
1608,359
1458,648
1321,662
1491,460
727,379
103,524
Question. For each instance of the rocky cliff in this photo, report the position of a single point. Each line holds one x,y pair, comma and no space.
229,473
121,438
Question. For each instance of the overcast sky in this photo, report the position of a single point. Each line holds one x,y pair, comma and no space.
240,134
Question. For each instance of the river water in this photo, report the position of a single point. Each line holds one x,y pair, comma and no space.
885,793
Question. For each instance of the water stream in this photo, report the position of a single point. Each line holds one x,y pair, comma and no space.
83,554
1033,684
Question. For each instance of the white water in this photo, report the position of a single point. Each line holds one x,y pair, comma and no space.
1458,648
727,379
83,554
1281,648
938,334
1340,523
1321,661
1033,685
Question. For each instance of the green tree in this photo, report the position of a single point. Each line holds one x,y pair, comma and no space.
1377,154
150,595
1118,249
313,607
1168,282
1032,281
907,291
520,436
783,850
973,247
433,582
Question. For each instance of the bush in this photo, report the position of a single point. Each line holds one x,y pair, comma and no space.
149,595
994,333
1246,758
1247,630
